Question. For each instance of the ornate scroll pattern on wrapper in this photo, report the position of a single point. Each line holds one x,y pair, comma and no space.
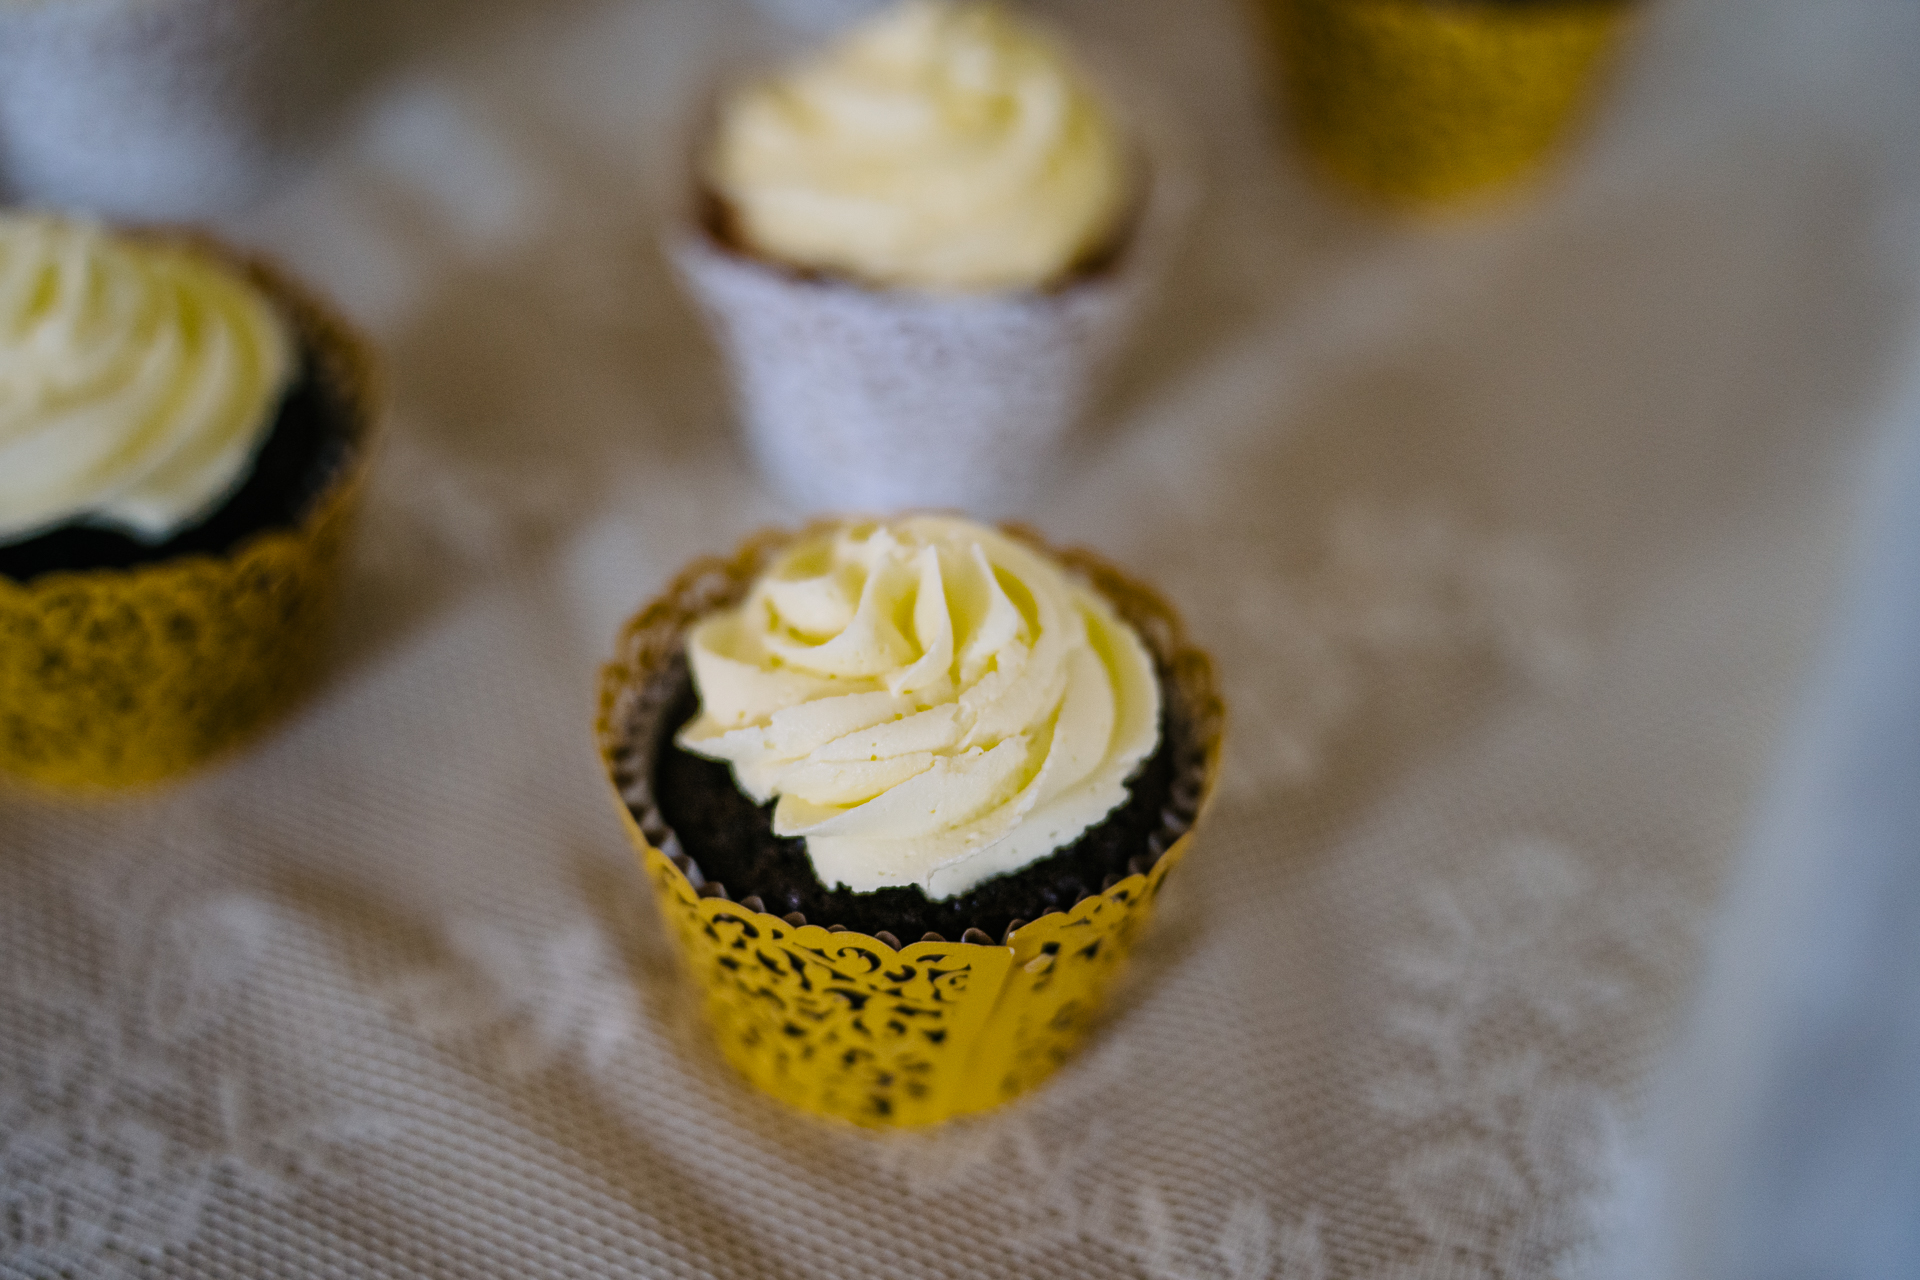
841,1024
1416,102
116,678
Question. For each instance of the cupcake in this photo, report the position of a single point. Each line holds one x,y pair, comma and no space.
920,248
1425,101
181,432
907,790
139,109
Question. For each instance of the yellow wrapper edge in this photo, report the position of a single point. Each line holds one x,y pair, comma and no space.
119,678
840,1024
1420,102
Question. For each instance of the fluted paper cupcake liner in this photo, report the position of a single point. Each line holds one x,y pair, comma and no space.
846,1025
114,678
145,109
867,398
1424,101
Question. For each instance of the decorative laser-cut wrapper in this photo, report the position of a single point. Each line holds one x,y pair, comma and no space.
117,678
160,109
858,397
841,1024
1421,102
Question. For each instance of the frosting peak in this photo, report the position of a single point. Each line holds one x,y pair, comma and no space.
938,146
932,703
136,380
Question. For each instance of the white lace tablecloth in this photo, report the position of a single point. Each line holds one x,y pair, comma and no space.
1512,534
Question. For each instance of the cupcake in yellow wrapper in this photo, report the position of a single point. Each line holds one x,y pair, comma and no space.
1425,101
918,727
182,436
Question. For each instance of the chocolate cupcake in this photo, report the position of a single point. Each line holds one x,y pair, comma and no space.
907,790
181,434
1427,101
921,249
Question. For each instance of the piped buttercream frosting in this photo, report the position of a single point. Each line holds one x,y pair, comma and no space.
940,146
927,702
137,379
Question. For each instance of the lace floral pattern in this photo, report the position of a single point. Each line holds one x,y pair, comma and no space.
1507,1174
115,1133
1047,1171
1392,590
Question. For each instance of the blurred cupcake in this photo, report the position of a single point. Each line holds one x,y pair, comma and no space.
907,790
920,248
149,109
181,431
1424,101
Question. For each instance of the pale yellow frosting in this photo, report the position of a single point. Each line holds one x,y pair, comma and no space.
930,702
137,380
938,146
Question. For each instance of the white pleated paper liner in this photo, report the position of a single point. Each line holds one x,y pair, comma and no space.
157,109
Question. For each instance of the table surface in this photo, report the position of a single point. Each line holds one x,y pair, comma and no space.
1513,534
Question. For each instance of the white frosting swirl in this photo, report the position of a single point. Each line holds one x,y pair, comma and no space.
938,146
932,703
137,379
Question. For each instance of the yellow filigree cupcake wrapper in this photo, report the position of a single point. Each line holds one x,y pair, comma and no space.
1425,101
117,678
841,1024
